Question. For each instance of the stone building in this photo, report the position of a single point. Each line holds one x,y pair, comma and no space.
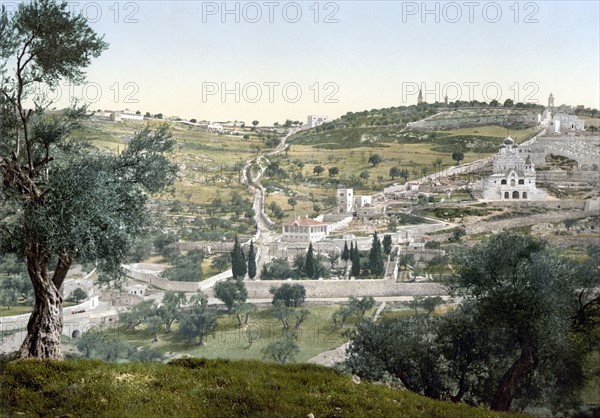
345,200
316,120
513,175
563,122
349,203
305,230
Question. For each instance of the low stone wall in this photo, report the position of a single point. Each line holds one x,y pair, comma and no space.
164,284
346,288
549,204
74,317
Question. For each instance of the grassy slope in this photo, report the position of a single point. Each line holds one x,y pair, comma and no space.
214,388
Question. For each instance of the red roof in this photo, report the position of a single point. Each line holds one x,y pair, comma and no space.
306,221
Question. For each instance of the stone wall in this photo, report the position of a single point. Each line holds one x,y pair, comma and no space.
549,204
346,288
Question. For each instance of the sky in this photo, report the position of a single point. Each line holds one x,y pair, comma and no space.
276,60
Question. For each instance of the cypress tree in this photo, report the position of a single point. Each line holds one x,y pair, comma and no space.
309,266
387,244
376,265
238,260
345,253
251,261
355,258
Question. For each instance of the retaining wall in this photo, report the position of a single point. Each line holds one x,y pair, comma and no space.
346,288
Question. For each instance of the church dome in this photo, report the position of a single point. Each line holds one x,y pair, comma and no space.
508,141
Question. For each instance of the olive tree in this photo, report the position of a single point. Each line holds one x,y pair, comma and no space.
63,200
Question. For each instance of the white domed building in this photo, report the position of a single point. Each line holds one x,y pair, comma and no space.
513,175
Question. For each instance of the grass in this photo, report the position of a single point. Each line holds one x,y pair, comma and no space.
212,388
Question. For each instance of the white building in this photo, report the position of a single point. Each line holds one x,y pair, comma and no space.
513,175
305,230
316,120
563,122
118,116
345,200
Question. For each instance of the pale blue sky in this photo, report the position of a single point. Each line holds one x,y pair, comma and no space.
374,53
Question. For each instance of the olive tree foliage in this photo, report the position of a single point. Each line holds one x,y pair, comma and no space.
61,199
512,340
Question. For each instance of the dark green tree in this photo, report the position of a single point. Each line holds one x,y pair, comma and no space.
220,262
78,295
291,295
69,202
345,253
281,350
231,292
198,320
310,265
292,202
170,308
138,314
318,170
238,260
458,156
185,268
394,172
355,259
251,261
375,159
387,244
376,265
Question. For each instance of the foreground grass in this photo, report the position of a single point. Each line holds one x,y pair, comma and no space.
198,387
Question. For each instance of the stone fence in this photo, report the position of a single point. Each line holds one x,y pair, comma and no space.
347,288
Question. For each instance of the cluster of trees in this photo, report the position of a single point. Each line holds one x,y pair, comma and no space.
355,308
287,301
527,319
185,268
111,346
371,264
195,318
311,266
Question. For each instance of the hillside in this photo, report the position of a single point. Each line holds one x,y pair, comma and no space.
212,388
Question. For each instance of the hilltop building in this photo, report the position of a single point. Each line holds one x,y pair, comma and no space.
305,230
119,116
420,97
513,175
316,120
551,101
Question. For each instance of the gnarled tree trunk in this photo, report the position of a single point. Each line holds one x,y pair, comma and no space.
508,384
45,325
